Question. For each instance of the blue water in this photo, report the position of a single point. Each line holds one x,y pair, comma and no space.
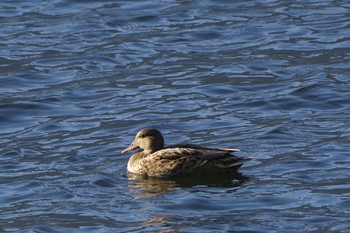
78,79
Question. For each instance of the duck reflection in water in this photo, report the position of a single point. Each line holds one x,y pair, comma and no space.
146,187
183,163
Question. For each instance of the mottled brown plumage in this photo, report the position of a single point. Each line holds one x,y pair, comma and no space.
177,160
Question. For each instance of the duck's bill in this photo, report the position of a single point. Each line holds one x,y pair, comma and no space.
130,148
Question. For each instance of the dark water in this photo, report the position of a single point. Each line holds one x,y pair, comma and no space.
79,78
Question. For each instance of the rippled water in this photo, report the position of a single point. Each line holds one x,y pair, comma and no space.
80,78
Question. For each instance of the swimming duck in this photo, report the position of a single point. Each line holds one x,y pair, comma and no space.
155,160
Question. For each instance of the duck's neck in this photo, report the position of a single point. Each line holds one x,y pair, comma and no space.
149,151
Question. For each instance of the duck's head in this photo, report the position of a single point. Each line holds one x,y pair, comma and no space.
150,140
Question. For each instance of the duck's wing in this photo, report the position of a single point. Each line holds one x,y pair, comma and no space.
193,146
205,152
220,155
176,153
197,152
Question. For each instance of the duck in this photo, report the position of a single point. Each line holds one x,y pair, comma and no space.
153,159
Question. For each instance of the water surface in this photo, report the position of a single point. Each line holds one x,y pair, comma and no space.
80,78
